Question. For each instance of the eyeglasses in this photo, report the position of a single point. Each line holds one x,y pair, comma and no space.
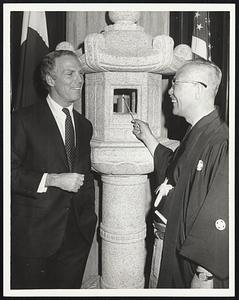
174,81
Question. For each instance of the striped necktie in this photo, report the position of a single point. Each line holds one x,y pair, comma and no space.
69,138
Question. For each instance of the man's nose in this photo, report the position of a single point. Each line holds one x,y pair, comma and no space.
170,91
79,78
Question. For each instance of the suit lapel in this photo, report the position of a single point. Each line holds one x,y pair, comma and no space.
52,130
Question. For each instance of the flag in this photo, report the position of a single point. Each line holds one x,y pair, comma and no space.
34,45
201,45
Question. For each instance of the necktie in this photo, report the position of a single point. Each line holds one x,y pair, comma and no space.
69,138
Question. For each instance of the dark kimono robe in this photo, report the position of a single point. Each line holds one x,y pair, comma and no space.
197,207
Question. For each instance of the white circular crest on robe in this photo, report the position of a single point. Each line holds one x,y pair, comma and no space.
200,165
220,224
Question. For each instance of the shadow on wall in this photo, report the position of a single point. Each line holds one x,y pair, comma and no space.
97,177
149,240
107,19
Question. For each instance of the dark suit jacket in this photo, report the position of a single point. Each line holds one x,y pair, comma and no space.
39,219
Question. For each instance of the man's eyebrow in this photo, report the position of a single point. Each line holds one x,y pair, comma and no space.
69,69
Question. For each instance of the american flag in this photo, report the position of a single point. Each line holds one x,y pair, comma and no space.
201,45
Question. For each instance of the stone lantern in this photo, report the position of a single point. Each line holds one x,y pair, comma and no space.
124,67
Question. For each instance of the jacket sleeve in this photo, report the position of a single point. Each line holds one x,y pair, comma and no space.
23,180
207,243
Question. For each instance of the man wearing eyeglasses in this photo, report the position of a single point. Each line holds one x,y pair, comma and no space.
191,208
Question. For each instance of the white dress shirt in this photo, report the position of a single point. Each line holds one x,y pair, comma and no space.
60,118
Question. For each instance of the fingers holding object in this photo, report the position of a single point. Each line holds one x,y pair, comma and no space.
136,127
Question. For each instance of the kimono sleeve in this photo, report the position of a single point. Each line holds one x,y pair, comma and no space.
162,156
207,242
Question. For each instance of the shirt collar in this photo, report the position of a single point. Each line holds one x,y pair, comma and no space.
56,108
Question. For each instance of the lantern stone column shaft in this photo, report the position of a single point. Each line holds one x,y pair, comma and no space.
123,231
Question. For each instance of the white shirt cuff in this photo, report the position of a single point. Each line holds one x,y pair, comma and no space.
42,188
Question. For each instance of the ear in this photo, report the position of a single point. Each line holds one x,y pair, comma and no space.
50,81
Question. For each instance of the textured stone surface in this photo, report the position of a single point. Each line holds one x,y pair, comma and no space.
124,46
114,127
123,231
123,265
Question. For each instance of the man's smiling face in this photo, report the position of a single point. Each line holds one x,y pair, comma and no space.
67,80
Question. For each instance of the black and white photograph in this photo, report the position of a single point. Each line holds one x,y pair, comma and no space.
119,149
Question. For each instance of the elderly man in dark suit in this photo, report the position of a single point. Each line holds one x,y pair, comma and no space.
52,205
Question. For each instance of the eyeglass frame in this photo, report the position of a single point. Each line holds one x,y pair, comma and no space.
174,81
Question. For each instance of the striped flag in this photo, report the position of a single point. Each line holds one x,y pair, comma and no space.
34,45
201,45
